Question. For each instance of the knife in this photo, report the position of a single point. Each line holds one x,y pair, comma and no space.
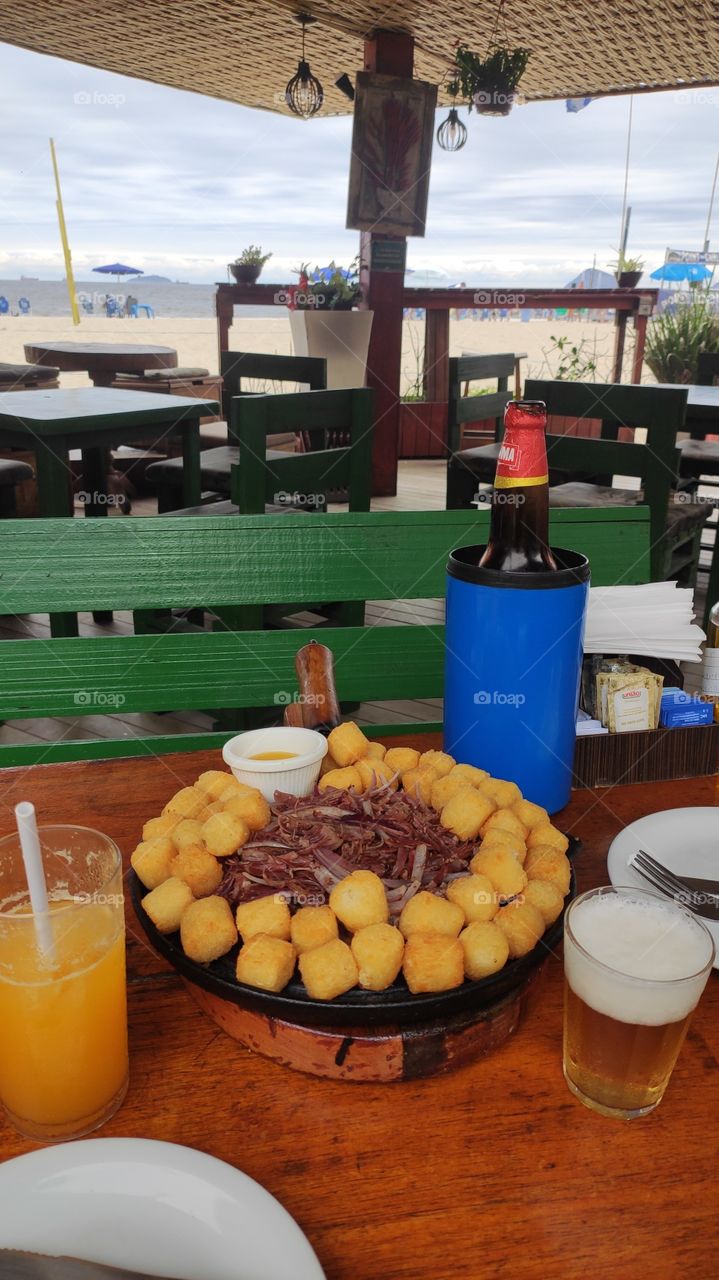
17,1264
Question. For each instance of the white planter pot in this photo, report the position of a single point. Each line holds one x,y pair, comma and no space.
341,337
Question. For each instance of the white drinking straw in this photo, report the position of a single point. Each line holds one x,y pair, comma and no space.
32,858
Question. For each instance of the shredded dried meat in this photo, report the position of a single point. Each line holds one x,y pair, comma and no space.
314,841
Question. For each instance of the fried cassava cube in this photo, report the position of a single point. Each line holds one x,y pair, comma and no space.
359,900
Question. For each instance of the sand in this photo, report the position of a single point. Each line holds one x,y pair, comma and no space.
195,340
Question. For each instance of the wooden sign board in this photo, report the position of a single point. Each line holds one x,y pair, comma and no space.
389,255
391,155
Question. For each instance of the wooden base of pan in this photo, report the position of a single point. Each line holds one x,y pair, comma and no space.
379,1055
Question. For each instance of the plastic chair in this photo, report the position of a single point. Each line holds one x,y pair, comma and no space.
23,306
4,305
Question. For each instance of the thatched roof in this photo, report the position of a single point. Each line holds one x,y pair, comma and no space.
245,50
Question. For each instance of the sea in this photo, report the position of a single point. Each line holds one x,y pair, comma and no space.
166,297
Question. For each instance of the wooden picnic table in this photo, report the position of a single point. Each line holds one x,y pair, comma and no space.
493,1170
93,419
101,360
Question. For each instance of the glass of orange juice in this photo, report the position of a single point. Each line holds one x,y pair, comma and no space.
63,1012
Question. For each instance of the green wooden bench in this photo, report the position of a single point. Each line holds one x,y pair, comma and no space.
141,563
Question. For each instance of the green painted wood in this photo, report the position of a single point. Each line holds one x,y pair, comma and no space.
462,408
91,676
12,754
476,408
257,479
660,410
160,745
148,563
237,365
242,561
79,411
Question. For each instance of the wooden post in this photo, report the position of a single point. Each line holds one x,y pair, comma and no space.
640,325
389,53
620,321
436,355
224,311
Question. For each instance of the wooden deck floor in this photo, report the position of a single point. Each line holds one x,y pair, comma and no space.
421,488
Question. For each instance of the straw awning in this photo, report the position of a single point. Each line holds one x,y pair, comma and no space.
246,50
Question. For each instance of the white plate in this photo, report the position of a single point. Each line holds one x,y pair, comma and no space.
151,1206
685,841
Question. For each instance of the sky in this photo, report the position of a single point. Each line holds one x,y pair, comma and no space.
178,184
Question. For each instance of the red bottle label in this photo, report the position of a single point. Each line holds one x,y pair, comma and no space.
522,458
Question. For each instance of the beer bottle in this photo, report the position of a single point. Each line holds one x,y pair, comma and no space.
519,526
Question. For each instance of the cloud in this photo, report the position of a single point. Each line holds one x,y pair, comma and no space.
178,183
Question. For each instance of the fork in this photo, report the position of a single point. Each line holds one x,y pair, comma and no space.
673,886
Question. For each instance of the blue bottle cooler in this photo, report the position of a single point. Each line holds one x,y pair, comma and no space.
512,671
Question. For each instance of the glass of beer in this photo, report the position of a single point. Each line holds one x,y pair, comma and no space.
635,966
63,1012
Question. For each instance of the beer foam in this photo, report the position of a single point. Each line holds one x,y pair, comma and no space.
653,952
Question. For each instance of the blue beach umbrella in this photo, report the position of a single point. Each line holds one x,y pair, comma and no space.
118,269
681,271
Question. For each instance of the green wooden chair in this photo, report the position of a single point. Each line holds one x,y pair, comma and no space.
592,463
469,466
238,368
52,566
258,480
280,481
700,465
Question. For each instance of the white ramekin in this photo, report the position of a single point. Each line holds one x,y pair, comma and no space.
297,776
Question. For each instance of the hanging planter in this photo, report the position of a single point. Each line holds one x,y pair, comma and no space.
488,83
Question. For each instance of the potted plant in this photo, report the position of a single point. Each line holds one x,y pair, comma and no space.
677,336
628,271
488,83
324,321
246,269
329,288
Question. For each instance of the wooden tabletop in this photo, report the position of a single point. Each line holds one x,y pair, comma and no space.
702,402
101,357
492,1171
83,409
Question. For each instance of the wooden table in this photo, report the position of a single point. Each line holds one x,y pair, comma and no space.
492,1171
702,408
101,360
93,419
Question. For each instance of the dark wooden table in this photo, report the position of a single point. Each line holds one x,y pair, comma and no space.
101,360
93,419
702,406
492,1171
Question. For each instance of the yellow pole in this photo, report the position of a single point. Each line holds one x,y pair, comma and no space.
65,243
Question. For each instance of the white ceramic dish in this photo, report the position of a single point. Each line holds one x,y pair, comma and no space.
685,841
150,1206
296,776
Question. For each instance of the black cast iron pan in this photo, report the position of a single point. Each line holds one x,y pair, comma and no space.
396,1006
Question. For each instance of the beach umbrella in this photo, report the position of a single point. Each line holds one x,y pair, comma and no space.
681,271
118,269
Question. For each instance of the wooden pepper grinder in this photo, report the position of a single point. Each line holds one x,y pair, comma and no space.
318,707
